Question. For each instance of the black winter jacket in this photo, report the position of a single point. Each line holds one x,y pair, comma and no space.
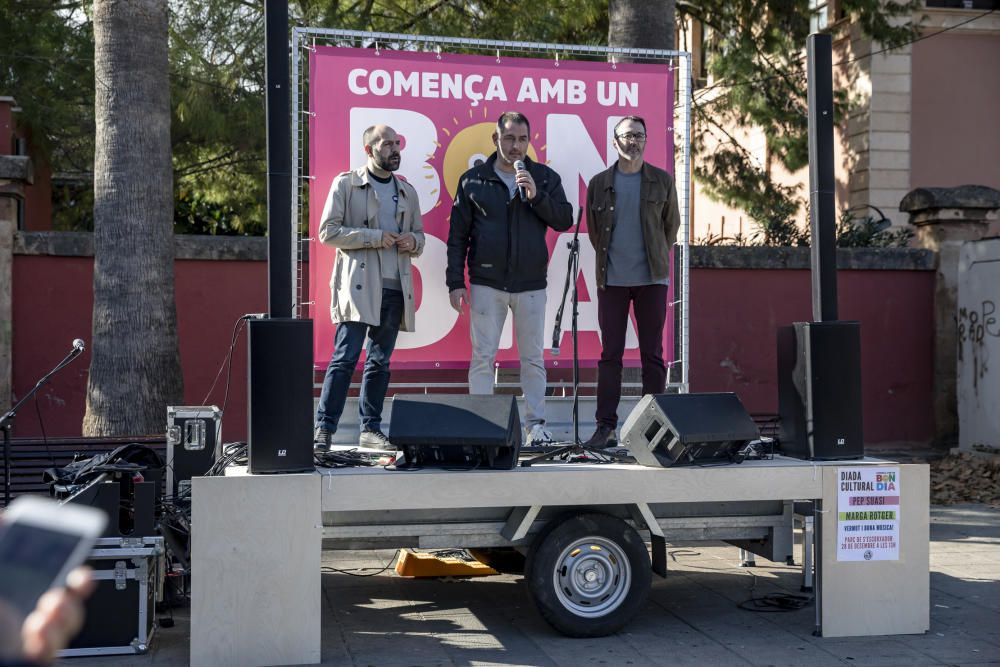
503,239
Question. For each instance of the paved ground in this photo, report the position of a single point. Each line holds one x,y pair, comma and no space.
691,618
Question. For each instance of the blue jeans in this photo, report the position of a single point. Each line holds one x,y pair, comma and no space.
375,379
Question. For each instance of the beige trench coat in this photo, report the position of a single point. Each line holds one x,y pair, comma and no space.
350,224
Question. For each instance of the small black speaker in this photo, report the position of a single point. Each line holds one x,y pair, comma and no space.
280,395
665,430
819,390
468,431
131,506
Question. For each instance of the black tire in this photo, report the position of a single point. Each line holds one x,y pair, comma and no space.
588,574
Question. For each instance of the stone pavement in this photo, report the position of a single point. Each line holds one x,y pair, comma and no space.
691,618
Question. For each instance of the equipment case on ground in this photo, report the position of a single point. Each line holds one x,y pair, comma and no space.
121,613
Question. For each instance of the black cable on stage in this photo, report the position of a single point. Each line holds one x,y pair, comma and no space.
233,453
227,363
348,458
354,571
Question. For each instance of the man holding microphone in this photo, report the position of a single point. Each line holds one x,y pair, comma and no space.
502,211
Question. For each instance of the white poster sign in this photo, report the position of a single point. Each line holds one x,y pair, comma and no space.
868,513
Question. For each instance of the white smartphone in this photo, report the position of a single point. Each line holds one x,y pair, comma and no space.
41,541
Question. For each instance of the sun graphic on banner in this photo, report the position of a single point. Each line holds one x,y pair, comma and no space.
470,146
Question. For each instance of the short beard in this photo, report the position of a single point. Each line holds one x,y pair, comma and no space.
384,163
623,151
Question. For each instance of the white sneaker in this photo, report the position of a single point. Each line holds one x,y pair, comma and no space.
539,437
375,440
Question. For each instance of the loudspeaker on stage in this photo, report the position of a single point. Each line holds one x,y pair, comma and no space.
665,430
474,431
280,395
819,390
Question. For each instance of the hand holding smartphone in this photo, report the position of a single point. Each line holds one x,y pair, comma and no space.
41,541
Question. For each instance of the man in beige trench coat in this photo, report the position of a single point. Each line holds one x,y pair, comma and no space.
373,219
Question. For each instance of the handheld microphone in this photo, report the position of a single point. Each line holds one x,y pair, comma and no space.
519,166
555,343
78,344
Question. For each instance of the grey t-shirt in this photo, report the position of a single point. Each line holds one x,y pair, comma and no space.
508,179
627,262
387,204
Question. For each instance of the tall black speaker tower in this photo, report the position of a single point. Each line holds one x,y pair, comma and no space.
280,395
819,390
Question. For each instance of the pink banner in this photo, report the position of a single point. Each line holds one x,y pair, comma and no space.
445,108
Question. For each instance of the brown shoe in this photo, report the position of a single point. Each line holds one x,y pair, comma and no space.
603,438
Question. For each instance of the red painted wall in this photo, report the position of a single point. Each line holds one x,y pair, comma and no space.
53,297
734,312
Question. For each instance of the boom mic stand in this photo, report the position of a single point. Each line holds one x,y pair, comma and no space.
7,421
572,273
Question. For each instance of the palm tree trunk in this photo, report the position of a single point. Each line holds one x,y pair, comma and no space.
642,24
135,364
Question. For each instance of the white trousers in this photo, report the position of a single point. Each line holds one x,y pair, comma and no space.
488,313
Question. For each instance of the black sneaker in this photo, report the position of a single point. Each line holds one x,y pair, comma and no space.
603,438
322,438
376,440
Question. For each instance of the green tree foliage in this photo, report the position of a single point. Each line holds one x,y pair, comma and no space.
755,50
867,232
756,53
218,127
47,66
556,21
217,85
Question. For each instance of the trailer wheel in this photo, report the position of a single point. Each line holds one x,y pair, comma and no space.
588,574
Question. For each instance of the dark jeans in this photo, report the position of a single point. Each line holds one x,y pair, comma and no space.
650,305
375,379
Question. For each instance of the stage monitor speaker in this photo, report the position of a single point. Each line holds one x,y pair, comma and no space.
819,390
280,395
459,430
665,430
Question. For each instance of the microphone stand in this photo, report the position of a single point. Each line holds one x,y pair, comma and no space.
572,273
7,421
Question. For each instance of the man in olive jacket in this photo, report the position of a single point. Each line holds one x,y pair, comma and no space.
632,221
373,219
502,211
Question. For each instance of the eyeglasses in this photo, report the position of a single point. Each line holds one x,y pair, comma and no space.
633,136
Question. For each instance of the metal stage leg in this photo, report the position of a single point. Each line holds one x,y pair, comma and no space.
807,553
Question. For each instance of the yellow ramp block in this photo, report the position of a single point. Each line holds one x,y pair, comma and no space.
414,564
